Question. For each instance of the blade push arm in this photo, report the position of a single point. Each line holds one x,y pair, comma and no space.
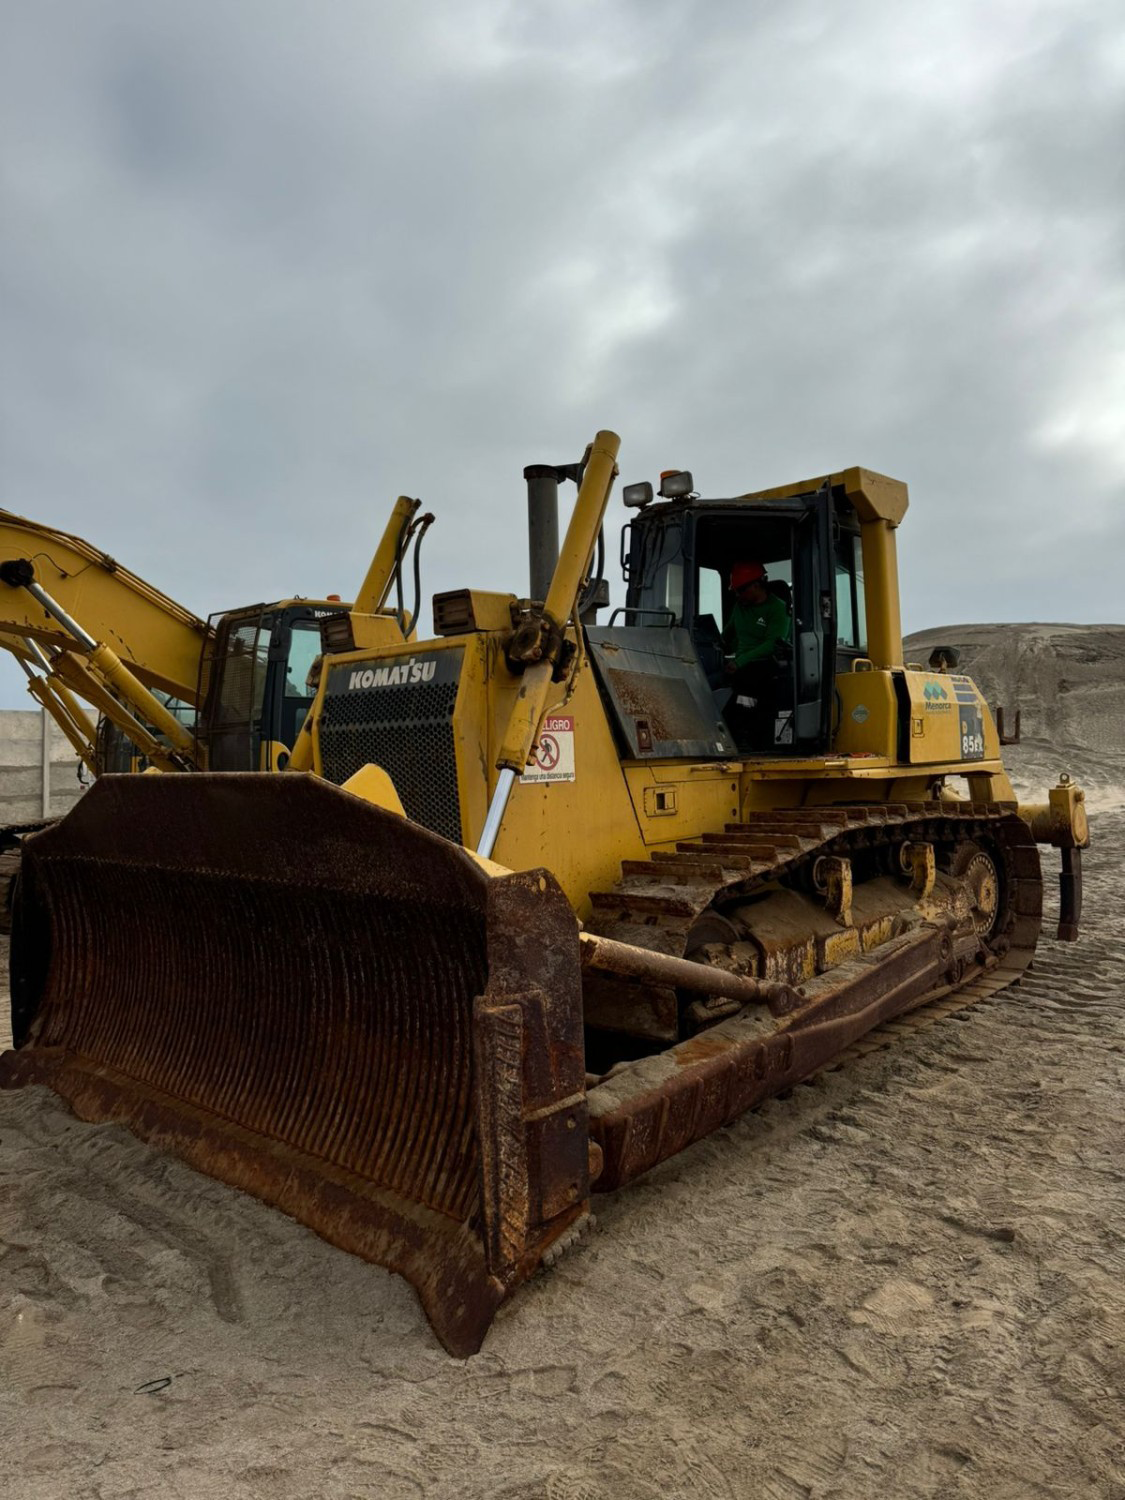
539,642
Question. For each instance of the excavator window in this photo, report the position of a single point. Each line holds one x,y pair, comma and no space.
259,685
304,648
115,751
238,671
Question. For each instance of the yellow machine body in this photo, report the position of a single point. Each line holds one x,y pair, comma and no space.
604,807
609,808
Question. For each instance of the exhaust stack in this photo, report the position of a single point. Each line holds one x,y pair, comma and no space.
542,526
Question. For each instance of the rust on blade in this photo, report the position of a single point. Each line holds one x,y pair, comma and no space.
322,1004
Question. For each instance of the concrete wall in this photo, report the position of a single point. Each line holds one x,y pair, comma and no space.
21,767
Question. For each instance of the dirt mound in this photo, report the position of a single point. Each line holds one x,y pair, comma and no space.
1068,681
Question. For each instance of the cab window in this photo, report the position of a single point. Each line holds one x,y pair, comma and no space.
711,591
659,566
304,648
243,669
851,618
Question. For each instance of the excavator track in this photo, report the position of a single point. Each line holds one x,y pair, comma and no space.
646,1111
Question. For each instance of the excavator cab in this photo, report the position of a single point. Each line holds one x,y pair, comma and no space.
115,753
259,690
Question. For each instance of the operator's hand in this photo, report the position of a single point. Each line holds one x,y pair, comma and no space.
728,667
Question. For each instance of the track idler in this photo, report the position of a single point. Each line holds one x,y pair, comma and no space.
322,1004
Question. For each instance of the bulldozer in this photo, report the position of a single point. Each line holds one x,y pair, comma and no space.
532,907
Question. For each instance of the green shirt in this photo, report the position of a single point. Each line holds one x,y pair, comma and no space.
755,630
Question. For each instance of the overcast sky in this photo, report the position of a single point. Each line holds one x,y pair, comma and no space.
267,264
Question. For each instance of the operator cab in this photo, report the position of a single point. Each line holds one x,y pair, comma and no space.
677,558
115,753
260,682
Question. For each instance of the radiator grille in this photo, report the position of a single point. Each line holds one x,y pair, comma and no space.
405,729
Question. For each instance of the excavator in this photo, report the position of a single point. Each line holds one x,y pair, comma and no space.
526,913
136,681
174,692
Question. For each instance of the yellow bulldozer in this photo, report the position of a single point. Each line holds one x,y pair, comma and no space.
535,904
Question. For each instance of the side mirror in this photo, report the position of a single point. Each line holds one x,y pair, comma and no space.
943,658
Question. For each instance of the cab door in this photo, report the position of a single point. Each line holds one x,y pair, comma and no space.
792,536
814,633
294,647
237,676
259,692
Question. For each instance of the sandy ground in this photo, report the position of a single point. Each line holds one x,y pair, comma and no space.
906,1280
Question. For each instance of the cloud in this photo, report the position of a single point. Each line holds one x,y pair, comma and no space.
266,266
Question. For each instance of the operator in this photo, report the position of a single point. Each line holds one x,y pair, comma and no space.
758,624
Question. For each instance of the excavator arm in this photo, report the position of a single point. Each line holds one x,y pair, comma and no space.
157,639
83,626
53,695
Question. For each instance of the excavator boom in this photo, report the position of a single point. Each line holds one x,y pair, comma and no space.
157,639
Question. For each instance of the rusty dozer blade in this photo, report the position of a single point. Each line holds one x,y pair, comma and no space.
324,1005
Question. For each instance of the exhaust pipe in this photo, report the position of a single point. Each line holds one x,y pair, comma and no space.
542,526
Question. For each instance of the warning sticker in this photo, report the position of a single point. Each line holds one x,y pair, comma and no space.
554,759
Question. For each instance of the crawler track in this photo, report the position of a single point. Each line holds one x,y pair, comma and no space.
657,901
652,1109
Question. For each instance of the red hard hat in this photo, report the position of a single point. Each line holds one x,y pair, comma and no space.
745,572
